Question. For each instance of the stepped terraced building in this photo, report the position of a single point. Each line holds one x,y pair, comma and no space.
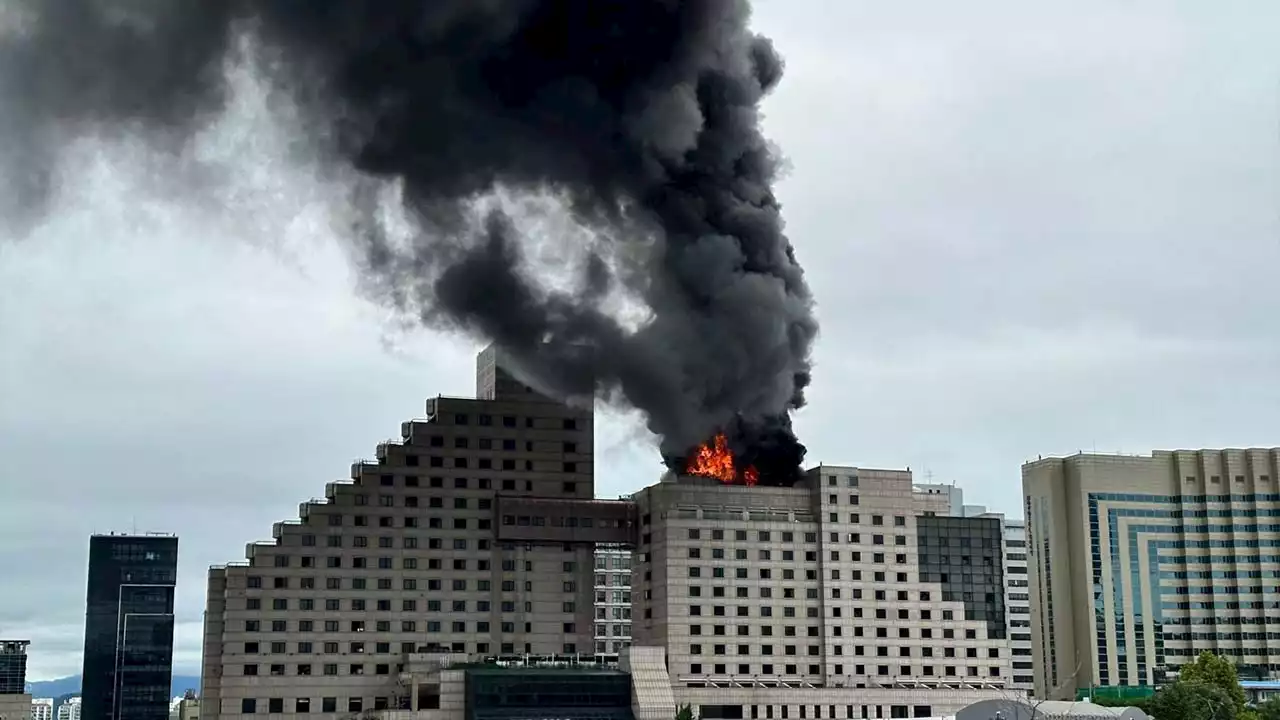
471,537
462,576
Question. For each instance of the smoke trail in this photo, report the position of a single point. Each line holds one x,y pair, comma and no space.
641,115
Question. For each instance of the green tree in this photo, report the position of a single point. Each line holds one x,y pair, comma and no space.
1192,701
1210,669
684,712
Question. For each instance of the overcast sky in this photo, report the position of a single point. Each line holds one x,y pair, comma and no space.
1029,232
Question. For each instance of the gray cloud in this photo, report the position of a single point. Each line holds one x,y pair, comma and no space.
1027,233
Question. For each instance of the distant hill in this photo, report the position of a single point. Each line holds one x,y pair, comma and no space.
71,686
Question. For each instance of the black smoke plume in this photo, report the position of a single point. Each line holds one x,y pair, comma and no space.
641,115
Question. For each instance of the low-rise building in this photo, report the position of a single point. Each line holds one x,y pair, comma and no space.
186,707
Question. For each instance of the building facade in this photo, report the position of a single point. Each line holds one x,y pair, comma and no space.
42,709
1018,605
15,703
69,710
128,644
953,493
613,599
851,595
471,536
1017,598
13,666
186,708
1181,550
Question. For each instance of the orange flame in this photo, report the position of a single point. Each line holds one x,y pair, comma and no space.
716,461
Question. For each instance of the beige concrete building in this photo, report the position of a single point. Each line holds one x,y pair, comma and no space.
852,595
1139,563
15,706
470,536
186,708
613,599
467,566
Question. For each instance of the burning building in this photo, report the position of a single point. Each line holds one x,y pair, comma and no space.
828,598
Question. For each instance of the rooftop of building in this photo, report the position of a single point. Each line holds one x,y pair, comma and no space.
1094,455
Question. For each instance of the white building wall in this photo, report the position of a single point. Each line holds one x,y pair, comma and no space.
42,709
69,710
1019,604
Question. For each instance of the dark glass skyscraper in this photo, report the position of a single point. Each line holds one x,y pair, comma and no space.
13,667
128,630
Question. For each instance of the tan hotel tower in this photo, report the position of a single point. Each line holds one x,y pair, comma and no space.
1139,563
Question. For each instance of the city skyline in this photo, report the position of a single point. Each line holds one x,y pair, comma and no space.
1026,234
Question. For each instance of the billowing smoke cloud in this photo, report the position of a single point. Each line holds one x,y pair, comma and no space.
641,115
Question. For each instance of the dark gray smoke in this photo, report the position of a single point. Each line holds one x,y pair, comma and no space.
643,115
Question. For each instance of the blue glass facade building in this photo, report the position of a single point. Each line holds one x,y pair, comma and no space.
1181,551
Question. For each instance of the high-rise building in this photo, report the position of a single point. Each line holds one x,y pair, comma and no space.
613,599
1139,563
128,643
42,709
850,595
1018,605
471,536
1017,598
15,703
69,710
13,666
